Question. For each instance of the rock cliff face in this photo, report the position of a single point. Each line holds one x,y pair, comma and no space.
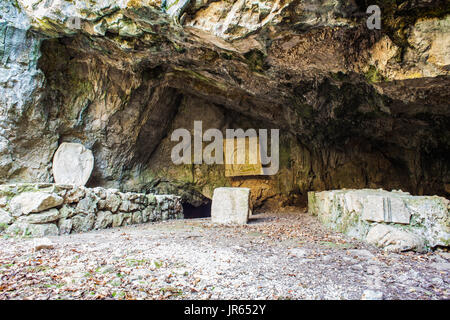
355,107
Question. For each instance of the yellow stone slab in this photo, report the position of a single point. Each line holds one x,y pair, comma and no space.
235,169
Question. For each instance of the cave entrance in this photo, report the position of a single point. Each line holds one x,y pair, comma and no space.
192,212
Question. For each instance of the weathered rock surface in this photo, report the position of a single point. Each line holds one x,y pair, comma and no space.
394,239
385,209
33,230
231,205
72,164
394,220
5,218
357,108
29,202
43,217
52,209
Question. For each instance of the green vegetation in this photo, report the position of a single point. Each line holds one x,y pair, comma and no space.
3,226
135,262
255,60
373,75
172,290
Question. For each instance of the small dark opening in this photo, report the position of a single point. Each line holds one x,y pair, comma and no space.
192,212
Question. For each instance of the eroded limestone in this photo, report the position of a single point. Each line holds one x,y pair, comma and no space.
403,221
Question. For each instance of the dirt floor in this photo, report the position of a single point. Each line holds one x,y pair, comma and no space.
276,256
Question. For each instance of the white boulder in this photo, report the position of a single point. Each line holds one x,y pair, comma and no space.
29,202
231,205
72,164
385,209
393,239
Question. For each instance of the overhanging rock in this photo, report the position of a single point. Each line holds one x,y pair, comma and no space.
358,213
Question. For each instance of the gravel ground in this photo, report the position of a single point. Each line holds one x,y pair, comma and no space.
277,256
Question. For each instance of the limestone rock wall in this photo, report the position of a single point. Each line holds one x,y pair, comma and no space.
396,221
50,209
356,107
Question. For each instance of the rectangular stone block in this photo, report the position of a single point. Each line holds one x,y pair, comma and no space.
385,209
356,212
231,205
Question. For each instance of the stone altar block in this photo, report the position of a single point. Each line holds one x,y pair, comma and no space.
231,205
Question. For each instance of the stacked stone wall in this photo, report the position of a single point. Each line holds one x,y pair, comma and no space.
43,209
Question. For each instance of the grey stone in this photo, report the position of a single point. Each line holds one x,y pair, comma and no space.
113,202
131,196
101,204
141,199
72,164
77,222
117,220
65,226
83,223
137,217
121,219
67,211
127,219
104,220
151,199
87,205
146,214
298,252
385,209
28,202
75,194
125,205
5,217
134,206
43,217
100,192
361,253
354,212
88,223
34,230
230,205
393,239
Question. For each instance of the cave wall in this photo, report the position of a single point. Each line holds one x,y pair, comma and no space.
354,164
355,108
